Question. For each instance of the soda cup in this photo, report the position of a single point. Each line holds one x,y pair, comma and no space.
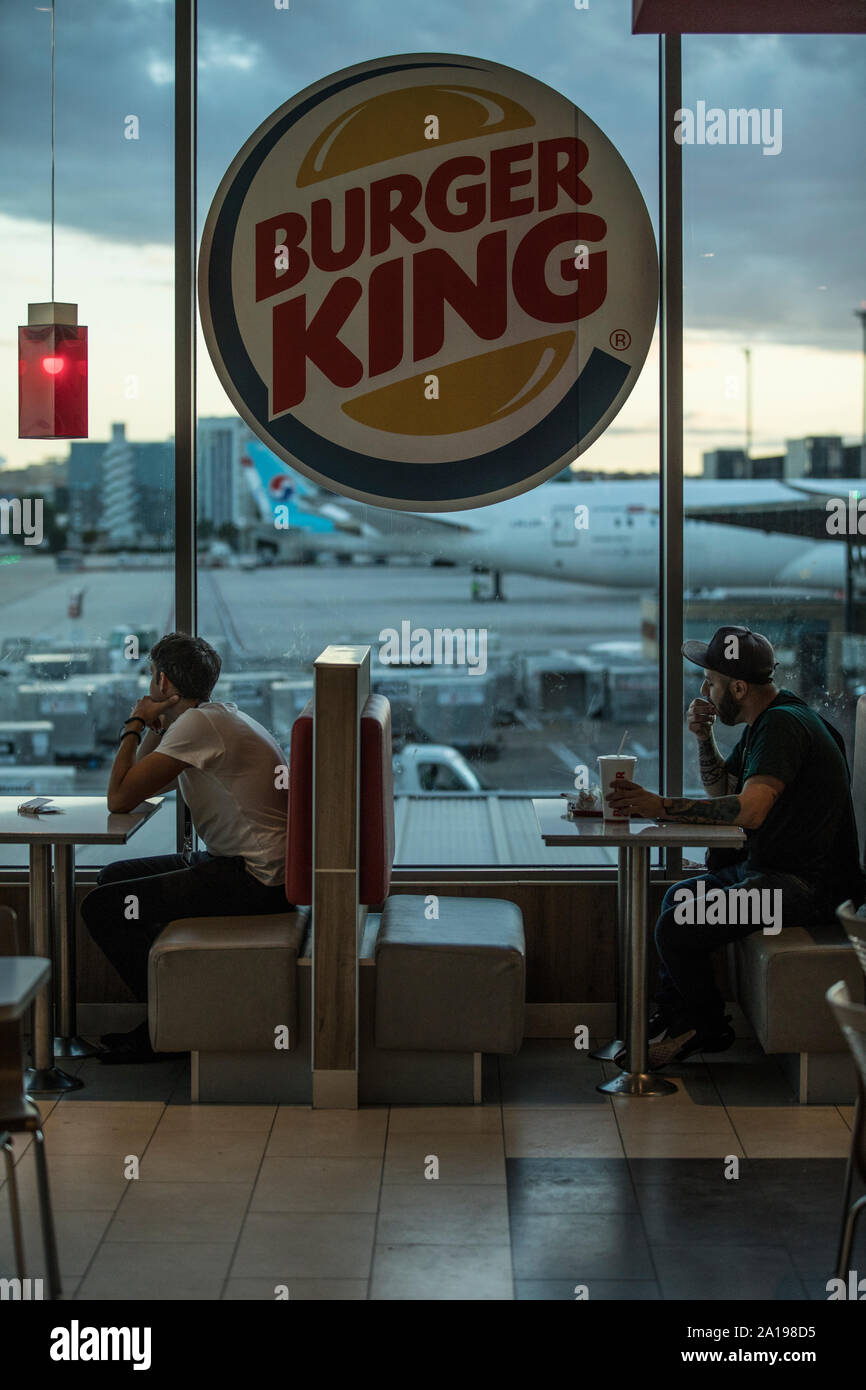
613,767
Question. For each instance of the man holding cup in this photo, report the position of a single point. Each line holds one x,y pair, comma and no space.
787,784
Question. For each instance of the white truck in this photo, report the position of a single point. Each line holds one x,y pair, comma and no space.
433,767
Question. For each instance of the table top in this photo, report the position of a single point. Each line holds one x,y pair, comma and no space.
557,829
21,978
85,820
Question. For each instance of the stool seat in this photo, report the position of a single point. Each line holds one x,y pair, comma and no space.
224,984
456,983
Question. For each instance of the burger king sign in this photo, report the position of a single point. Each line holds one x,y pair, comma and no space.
428,282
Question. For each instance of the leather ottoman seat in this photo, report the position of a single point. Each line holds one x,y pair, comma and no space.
452,984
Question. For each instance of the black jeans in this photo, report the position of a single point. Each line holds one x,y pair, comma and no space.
136,898
688,996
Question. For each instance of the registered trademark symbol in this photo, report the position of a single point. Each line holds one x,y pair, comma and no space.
620,339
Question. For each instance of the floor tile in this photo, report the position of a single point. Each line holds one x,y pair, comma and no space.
206,1156
429,1273
549,1072
78,1235
739,1272
180,1211
135,1271
551,1185
462,1158
717,1144
141,1082
753,1082
76,1182
580,1246
803,1131
445,1119
576,1132
440,1214
284,1245
723,1213
302,1132
217,1119
299,1290
101,1127
563,1290
318,1184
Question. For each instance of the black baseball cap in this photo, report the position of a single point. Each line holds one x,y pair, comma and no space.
755,662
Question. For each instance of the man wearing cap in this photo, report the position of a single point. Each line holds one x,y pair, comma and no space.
787,784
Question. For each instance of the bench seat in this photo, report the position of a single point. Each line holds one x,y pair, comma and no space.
453,983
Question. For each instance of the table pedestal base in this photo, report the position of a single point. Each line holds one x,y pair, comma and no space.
75,1047
637,1083
39,1079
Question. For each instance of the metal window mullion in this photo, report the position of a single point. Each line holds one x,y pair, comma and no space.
671,537
185,605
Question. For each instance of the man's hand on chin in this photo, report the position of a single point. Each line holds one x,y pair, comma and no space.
151,711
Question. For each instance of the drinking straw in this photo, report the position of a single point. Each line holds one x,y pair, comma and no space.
622,743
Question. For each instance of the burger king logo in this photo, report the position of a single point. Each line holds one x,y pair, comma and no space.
428,282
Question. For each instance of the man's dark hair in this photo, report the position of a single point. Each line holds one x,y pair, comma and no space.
190,663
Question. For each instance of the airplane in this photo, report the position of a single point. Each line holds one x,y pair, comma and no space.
737,533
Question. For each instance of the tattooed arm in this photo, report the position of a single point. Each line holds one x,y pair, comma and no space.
716,779
749,809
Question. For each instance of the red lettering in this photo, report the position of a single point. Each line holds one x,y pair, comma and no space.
551,178
471,196
481,303
385,308
294,341
383,217
287,230
322,231
503,178
530,261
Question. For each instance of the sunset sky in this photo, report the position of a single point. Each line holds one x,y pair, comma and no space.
773,246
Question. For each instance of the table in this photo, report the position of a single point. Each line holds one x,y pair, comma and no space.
85,820
633,840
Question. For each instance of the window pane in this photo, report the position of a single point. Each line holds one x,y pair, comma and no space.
555,674
101,578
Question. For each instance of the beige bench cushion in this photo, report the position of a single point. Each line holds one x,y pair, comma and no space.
456,984
224,984
782,981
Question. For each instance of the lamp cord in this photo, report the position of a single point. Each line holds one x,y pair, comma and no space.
52,151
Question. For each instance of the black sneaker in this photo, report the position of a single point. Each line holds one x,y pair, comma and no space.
677,1049
136,1037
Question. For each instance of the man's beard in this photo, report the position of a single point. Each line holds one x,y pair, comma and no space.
728,710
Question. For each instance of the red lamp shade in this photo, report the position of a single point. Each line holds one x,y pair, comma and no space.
52,374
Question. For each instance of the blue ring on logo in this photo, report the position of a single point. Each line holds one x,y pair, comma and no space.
589,397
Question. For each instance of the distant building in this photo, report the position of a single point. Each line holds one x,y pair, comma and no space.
224,496
726,463
145,490
816,456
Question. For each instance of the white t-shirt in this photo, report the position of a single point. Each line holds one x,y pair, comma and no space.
230,788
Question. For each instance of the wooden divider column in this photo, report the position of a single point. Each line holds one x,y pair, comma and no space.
342,684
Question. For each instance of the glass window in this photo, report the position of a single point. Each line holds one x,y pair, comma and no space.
80,609
773,366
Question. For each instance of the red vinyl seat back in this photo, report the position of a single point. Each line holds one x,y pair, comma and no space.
377,839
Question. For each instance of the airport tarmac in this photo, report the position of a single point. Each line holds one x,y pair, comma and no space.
282,618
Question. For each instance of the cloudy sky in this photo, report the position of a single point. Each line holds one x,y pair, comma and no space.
774,245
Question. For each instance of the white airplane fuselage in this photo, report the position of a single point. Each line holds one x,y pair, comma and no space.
617,544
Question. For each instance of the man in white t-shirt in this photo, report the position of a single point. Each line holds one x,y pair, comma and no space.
231,774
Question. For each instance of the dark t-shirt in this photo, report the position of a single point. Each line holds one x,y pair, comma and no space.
811,831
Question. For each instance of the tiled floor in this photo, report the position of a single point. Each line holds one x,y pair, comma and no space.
549,1190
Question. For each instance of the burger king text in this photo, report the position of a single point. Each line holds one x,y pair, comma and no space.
461,193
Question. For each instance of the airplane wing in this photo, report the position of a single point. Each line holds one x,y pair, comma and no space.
800,509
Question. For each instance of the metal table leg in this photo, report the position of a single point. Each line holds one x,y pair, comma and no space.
66,1043
43,1075
636,1080
608,1052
